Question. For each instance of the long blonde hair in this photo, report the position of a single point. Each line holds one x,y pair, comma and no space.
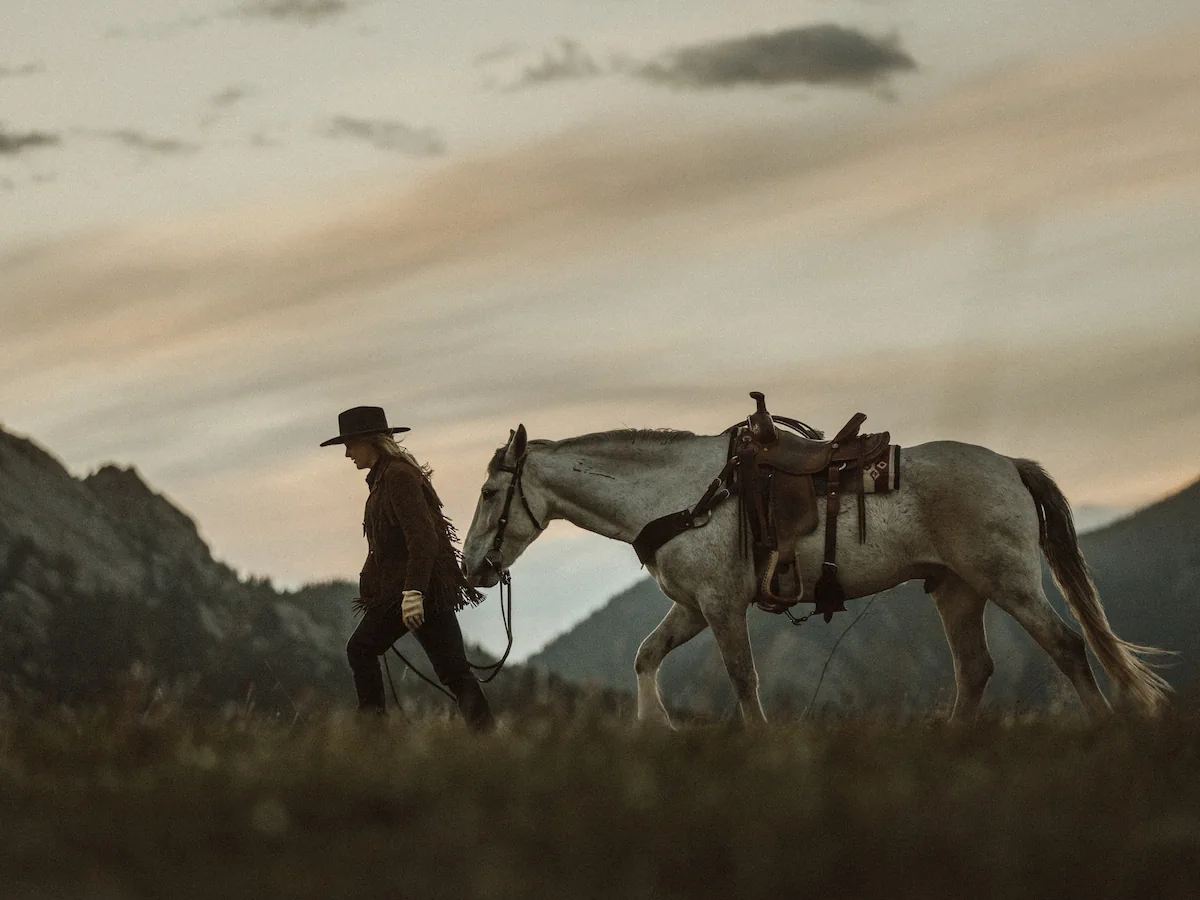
388,446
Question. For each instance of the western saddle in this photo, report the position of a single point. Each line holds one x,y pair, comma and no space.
776,474
777,480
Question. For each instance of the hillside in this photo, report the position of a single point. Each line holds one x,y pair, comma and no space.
107,587
1147,567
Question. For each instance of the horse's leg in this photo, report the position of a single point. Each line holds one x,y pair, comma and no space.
1019,593
679,626
961,608
728,622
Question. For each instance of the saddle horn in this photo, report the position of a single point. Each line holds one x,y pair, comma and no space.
762,426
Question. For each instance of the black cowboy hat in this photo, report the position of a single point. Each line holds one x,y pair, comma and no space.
360,422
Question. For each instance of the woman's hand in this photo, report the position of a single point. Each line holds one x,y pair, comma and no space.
412,610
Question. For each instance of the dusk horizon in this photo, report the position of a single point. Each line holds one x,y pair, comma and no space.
976,228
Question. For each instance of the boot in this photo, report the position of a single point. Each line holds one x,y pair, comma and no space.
473,704
368,684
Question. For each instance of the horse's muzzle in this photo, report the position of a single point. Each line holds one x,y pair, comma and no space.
486,575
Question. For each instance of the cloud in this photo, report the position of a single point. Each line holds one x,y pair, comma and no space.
159,31
567,62
13,142
816,54
261,138
308,12
586,282
230,96
18,71
387,134
1026,141
222,102
304,12
145,143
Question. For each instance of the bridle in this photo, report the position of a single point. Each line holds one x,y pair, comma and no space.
494,557
496,562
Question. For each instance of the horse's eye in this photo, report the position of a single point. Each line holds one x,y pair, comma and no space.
488,493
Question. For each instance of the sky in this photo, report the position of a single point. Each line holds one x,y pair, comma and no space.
223,223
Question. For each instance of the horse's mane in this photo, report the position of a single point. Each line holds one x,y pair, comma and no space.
615,436
627,435
497,458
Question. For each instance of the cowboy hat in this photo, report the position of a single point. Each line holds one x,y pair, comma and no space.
359,422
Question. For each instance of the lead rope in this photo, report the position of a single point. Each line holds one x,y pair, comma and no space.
425,678
493,669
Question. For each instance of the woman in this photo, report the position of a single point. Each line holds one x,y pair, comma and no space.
412,579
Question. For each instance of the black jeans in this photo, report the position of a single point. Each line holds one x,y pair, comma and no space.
442,641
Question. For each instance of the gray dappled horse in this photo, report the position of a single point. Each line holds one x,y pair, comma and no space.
966,520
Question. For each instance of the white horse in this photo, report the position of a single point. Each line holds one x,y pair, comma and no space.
966,519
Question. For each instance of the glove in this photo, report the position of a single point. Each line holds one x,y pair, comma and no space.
412,610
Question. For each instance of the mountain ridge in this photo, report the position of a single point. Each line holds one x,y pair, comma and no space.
104,580
101,575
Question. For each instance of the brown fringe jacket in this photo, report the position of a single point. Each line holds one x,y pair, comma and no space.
411,542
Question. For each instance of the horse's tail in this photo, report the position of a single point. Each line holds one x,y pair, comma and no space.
1133,677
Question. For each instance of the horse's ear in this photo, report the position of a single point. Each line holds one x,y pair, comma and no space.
518,442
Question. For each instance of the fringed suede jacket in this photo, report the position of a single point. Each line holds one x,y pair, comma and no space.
410,541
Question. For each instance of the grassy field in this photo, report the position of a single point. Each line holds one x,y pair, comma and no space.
115,804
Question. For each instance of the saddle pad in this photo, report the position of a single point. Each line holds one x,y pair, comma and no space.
880,473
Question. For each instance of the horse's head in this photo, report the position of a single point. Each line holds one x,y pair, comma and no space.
504,523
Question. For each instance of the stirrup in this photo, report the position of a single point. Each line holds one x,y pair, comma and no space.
767,600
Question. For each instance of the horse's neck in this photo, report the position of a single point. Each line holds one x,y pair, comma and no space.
614,489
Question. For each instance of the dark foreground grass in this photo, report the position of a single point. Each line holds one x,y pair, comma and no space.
105,805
